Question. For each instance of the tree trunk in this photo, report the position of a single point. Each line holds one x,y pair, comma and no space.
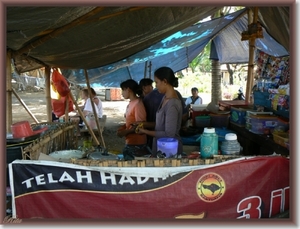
230,74
216,93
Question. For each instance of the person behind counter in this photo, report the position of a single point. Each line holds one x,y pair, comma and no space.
169,113
135,144
88,109
194,99
146,86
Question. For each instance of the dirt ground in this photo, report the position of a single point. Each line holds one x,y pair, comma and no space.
36,102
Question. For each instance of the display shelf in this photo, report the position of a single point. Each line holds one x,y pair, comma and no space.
263,99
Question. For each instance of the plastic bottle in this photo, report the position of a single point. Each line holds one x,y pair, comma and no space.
230,146
209,143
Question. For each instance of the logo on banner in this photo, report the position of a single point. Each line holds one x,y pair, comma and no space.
210,187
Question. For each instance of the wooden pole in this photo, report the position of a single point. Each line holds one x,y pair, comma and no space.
48,93
83,118
251,57
145,71
150,65
93,106
129,72
8,93
24,105
67,108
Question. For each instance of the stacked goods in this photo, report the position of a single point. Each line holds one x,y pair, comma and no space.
238,115
263,124
225,105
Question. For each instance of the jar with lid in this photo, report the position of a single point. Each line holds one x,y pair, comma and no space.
230,146
209,143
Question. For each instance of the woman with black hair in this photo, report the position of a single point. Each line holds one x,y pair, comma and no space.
169,113
135,144
145,86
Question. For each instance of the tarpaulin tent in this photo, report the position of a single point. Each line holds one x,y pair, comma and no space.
90,37
180,48
94,37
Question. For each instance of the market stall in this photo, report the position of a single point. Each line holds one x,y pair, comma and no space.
221,187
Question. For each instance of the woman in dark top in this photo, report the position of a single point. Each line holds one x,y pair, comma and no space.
169,113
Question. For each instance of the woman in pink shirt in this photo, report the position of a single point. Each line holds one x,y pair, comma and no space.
135,144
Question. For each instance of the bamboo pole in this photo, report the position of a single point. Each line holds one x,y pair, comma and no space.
83,118
251,57
67,107
150,65
93,106
145,70
25,106
48,94
8,92
129,72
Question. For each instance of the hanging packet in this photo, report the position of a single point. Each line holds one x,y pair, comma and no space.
60,83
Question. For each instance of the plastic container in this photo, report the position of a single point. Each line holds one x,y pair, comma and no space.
262,99
194,114
199,107
208,143
230,146
283,124
281,138
202,121
23,129
221,132
169,146
238,115
263,124
219,120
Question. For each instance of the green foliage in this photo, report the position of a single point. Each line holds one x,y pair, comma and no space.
202,61
197,79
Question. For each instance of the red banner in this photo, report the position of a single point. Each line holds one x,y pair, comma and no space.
244,188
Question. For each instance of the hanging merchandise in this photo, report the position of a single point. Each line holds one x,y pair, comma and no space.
53,92
272,87
60,83
59,105
274,71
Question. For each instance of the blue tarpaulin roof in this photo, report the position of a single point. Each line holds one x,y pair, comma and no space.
180,48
